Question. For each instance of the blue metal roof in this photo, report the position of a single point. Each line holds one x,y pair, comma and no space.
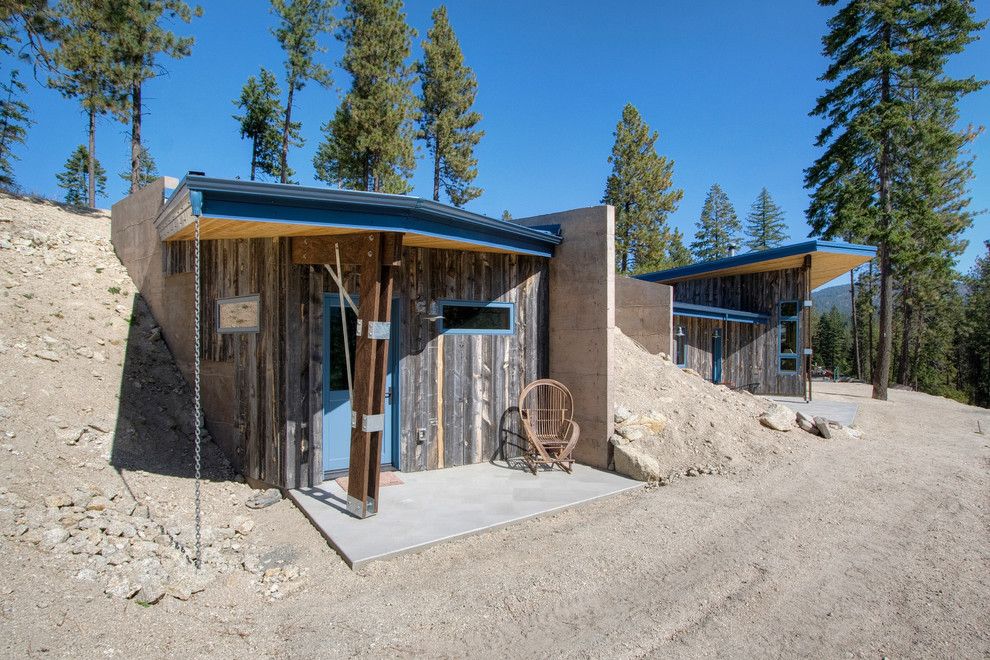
259,201
760,256
718,313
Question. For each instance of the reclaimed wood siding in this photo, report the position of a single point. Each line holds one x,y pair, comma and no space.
458,393
749,351
235,268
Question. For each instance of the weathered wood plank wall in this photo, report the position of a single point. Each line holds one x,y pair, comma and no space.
749,351
457,393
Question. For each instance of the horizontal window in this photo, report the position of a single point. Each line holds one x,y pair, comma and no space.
476,317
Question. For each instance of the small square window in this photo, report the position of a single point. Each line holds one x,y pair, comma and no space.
788,309
788,364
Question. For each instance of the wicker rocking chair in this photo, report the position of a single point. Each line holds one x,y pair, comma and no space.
547,410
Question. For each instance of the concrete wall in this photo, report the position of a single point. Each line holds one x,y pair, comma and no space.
582,320
643,311
136,242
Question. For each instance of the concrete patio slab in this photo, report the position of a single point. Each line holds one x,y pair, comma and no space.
439,505
842,412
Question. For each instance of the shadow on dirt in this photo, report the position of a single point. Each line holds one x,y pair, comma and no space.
154,431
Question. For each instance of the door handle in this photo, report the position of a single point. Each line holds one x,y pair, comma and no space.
388,394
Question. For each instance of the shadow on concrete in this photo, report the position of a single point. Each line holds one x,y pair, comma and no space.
154,429
510,443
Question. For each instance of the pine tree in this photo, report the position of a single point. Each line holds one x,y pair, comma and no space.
14,122
678,254
975,357
718,227
879,50
447,123
506,216
30,23
765,226
640,188
75,179
302,23
830,341
87,70
147,170
263,116
138,38
368,144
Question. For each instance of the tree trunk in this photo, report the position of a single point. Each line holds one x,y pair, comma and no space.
881,374
254,154
92,159
135,137
284,164
870,344
436,175
855,327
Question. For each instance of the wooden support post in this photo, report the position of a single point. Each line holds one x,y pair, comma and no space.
807,312
377,263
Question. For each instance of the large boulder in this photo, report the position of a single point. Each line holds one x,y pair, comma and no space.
778,418
632,460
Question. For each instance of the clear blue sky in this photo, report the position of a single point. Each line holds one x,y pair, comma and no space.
727,84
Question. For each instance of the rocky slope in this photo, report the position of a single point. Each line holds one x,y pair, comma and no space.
95,425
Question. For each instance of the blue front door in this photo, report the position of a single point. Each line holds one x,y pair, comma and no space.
336,401
717,356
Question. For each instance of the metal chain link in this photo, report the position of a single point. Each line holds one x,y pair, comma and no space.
197,406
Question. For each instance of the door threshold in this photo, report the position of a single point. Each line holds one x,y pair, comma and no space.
336,474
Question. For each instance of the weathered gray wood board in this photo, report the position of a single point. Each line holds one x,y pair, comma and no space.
749,351
457,393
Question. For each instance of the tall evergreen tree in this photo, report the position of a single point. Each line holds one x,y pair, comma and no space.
139,38
368,144
878,50
640,188
14,122
74,180
302,23
446,121
28,25
765,226
261,122
718,227
975,357
87,71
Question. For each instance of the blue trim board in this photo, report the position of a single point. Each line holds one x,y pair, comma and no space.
719,313
755,257
261,201
476,303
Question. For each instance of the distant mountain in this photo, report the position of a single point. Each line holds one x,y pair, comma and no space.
838,295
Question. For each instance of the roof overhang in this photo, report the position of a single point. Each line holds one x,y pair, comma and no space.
719,313
230,208
829,259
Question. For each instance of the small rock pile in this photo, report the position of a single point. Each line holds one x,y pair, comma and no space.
781,418
105,537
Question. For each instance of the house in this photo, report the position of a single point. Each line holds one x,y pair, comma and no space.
349,332
745,320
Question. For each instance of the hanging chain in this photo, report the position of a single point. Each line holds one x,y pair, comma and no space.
197,405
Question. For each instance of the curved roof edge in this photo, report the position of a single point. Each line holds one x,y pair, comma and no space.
263,201
711,268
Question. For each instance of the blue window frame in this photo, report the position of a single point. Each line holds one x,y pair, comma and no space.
680,346
788,336
476,317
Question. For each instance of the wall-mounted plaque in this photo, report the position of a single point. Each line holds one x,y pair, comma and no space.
240,314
